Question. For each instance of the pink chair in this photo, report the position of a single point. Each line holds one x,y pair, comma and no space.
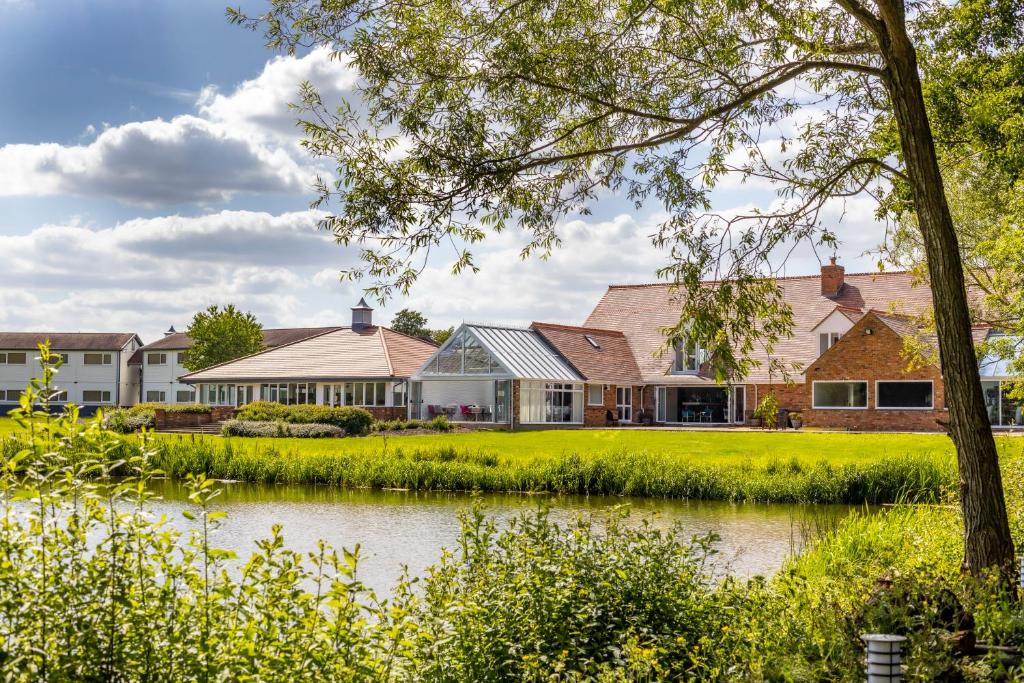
465,412
431,411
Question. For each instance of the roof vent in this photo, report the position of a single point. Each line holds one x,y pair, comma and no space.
362,315
832,277
593,342
170,331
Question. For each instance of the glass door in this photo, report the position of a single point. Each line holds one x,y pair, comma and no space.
502,400
661,404
739,404
416,400
624,403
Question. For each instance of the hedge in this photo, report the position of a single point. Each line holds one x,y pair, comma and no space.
352,420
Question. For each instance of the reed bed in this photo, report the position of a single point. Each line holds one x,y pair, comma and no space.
907,477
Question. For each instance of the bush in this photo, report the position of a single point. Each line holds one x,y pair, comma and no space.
190,408
438,424
352,420
280,428
125,421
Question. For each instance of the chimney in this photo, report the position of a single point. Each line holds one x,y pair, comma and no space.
362,316
170,331
832,278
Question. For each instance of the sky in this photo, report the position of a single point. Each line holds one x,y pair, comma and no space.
150,167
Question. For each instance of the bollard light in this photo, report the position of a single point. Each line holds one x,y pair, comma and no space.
884,657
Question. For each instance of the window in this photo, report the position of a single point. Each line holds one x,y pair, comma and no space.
182,357
840,395
10,395
292,393
13,358
59,397
595,394
688,357
826,340
547,402
186,396
463,355
905,395
398,393
365,394
156,359
593,342
95,396
97,359
155,396
64,358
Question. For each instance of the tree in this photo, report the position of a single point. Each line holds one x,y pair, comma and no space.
222,334
411,323
441,336
479,117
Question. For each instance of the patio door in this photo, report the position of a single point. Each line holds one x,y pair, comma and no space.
502,400
738,405
624,403
416,400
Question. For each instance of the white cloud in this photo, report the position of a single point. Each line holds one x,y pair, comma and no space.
244,141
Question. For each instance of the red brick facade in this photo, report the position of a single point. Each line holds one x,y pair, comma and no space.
388,413
869,352
165,420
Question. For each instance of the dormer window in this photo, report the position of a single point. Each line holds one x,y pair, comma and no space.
826,340
688,357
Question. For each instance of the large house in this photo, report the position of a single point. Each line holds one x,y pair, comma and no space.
362,365
94,373
160,364
846,349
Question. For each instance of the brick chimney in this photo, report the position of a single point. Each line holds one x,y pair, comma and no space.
832,278
362,316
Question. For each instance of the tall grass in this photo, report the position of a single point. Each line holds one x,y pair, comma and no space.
911,478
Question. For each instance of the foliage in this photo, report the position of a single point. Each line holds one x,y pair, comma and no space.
351,419
280,429
222,334
768,410
441,423
173,408
441,336
125,421
410,322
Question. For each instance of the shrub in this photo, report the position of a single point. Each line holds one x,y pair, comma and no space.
125,421
352,420
190,408
441,423
262,411
279,428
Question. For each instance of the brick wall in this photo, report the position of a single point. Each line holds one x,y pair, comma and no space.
792,397
870,357
389,412
165,420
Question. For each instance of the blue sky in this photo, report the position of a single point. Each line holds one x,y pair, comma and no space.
149,166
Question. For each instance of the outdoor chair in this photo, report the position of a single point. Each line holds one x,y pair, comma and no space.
687,415
705,415
611,418
465,412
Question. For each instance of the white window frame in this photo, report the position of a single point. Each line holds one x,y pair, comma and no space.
359,400
867,398
5,395
191,395
904,381
105,358
161,396
105,395
600,388
181,357
530,387
829,338
680,358
6,355
60,397
162,356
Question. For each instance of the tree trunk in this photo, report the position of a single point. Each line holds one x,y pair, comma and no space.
987,539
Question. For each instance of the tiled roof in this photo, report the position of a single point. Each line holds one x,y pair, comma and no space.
610,362
67,341
179,341
337,353
639,311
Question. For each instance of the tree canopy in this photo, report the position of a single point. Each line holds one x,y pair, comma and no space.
411,323
222,334
477,117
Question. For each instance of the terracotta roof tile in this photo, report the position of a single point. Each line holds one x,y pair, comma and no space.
610,362
179,341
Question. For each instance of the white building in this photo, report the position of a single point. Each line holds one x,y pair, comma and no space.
95,371
160,365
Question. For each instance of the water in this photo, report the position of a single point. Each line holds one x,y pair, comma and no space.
396,528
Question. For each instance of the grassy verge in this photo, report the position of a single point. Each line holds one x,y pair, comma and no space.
437,463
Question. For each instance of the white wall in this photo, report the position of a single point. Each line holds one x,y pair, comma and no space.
76,377
164,377
445,392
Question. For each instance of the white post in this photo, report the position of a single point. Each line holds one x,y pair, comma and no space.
1022,571
884,657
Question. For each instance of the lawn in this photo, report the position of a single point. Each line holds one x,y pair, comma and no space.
699,447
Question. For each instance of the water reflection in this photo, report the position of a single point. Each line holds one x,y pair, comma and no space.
396,528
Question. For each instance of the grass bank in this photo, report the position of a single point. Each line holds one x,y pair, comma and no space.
733,466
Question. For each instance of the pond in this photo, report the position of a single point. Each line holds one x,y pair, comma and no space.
396,528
